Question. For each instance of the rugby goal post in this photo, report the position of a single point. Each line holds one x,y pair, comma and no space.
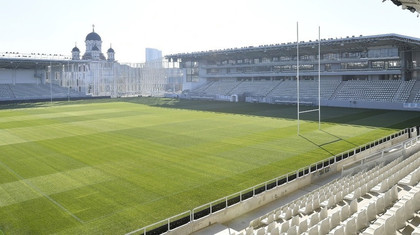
298,82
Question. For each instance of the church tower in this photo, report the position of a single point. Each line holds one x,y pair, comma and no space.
75,53
111,54
93,46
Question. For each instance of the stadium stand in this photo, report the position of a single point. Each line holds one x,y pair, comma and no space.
417,98
221,87
375,75
379,91
403,92
5,92
29,91
308,89
396,91
254,88
381,200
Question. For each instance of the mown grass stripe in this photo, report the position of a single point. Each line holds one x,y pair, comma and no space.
36,189
162,156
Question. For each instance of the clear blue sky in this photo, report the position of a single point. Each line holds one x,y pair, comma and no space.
174,26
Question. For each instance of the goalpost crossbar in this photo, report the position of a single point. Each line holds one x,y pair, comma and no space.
308,111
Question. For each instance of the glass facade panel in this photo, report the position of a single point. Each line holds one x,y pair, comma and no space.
383,52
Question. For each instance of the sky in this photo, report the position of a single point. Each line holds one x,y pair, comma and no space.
179,26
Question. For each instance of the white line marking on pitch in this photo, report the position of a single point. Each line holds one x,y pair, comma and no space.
40,192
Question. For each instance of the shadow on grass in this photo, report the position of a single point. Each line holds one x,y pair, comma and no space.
393,119
37,103
363,117
338,138
320,145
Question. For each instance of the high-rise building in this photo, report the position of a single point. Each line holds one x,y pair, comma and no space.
153,55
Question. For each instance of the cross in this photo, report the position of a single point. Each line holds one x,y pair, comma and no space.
93,28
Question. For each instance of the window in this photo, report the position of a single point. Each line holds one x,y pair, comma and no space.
192,72
383,52
304,67
244,70
394,64
265,60
327,67
351,55
354,65
331,56
378,64
263,69
212,71
307,57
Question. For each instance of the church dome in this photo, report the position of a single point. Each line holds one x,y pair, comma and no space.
111,50
93,36
75,49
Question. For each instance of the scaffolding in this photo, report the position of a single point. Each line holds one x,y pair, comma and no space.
106,78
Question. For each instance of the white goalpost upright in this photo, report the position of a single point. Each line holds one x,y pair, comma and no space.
298,81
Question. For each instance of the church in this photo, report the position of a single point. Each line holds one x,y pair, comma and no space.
93,49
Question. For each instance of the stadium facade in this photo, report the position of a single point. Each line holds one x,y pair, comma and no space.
48,76
380,71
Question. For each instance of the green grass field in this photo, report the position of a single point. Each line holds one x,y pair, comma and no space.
112,166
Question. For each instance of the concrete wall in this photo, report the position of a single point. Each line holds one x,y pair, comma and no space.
364,104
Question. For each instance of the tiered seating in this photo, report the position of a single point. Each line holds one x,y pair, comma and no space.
417,98
201,89
221,87
379,201
41,91
403,91
328,87
29,90
372,91
380,90
254,88
286,90
5,92
308,89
